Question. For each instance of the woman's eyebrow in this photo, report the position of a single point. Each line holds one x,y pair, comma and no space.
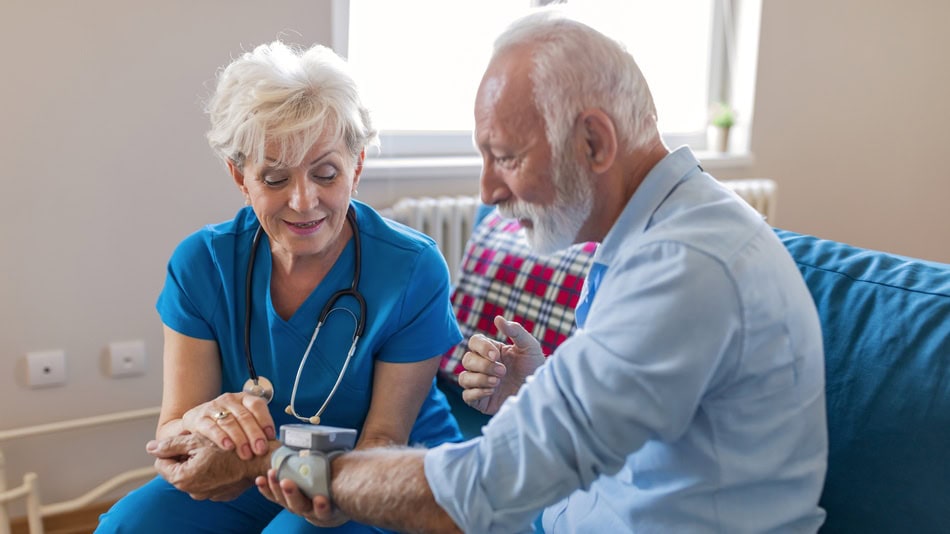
325,154
277,163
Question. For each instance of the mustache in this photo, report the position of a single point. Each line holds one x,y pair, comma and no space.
518,210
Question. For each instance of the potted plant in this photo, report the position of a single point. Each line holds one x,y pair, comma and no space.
721,119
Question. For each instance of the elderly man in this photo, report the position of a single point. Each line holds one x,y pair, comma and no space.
691,398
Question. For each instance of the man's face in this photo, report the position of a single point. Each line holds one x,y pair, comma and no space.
547,191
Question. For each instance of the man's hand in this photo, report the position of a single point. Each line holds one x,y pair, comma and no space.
318,511
195,465
381,486
495,371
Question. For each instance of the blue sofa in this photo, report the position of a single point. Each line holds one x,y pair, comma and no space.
886,326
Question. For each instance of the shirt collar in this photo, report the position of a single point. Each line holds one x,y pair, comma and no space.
655,188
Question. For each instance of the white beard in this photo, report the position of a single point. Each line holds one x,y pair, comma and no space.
555,227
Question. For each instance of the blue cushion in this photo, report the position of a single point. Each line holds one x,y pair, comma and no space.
886,325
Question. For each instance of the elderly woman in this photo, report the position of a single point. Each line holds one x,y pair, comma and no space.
307,297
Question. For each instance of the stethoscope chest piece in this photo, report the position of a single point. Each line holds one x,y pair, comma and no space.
263,388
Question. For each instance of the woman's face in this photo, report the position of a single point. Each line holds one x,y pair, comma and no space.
302,208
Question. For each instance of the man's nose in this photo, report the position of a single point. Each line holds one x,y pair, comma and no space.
492,187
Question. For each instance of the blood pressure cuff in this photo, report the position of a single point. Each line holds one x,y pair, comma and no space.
309,469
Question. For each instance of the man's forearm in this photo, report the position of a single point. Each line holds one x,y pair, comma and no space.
387,487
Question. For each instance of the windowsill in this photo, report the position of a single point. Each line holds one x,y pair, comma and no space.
429,168
421,168
724,160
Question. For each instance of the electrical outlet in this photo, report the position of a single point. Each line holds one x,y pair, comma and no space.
46,368
126,358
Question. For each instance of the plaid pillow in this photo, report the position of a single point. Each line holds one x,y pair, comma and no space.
501,276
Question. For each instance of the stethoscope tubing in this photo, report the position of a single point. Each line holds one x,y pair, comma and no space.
352,291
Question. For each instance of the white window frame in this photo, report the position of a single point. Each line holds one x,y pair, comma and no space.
453,154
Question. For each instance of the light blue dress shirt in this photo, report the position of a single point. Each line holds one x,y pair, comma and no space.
691,399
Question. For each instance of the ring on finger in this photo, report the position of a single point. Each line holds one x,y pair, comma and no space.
221,415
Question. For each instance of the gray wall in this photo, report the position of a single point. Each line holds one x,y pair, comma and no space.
105,169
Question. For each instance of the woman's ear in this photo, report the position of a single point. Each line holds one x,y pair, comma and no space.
238,177
599,139
357,172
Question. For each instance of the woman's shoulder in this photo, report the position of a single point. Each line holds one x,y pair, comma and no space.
389,234
209,239
399,250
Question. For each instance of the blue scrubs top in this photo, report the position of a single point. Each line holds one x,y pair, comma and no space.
409,318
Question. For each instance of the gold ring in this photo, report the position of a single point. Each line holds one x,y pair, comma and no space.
223,414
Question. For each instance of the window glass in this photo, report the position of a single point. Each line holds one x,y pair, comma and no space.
419,62
670,40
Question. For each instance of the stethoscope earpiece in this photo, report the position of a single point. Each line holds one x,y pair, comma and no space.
289,410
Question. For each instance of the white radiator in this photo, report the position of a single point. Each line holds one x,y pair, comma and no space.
760,193
449,220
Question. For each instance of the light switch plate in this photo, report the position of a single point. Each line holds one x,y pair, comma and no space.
46,368
126,358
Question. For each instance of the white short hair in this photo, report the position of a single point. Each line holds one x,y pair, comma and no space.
576,67
286,96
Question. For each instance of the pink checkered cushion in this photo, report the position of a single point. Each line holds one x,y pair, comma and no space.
501,276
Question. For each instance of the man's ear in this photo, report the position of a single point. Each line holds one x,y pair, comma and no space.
598,137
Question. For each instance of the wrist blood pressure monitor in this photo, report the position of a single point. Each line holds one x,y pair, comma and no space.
306,453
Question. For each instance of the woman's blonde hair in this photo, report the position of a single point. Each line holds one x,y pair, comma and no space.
288,98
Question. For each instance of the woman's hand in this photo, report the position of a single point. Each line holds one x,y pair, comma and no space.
233,421
287,494
192,403
495,371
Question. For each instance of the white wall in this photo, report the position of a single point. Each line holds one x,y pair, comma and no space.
105,168
852,119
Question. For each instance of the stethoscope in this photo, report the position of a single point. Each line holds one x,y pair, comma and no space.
264,388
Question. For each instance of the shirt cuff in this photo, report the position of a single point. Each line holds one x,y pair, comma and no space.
455,472
442,466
